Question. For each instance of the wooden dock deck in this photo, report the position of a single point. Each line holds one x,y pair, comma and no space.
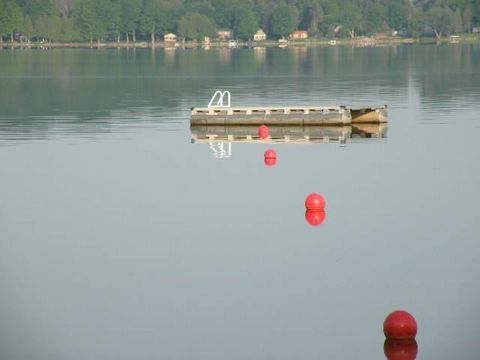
288,116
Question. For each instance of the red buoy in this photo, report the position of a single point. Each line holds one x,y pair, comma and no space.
263,132
315,217
315,201
270,154
400,349
270,157
400,325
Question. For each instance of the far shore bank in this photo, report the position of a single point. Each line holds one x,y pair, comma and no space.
359,42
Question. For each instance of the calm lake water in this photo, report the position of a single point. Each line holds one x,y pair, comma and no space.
122,239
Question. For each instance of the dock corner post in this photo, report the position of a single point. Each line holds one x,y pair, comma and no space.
347,116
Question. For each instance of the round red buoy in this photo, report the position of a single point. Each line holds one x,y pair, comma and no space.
263,132
270,154
315,217
400,349
400,325
315,201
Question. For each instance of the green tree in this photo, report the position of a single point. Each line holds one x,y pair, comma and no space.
28,29
375,18
441,20
88,21
16,18
284,20
236,15
172,11
264,9
69,31
203,7
247,25
475,5
332,18
311,15
416,23
49,27
96,18
398,12
4,20
11,18
351,18
37,8
196,26
152,19
467,19
457,22
130,13
64,7
108,18
225,11
315,17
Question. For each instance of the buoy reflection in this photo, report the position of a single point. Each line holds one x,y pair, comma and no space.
400,349
270,161
263,132
315,217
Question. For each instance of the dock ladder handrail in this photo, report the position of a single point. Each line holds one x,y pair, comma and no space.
220,95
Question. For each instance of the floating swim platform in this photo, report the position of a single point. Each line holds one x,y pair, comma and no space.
220,112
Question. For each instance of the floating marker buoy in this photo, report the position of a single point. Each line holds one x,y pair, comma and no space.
315,217
400,349
270,157
315,201
400,325
263,132
270,154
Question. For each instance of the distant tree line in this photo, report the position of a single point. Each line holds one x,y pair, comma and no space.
129,20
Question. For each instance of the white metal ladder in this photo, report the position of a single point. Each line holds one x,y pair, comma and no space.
220,99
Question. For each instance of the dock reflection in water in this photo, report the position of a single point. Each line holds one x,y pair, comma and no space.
220,138
286,134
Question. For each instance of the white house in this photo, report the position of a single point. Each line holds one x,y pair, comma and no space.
170,37
260,35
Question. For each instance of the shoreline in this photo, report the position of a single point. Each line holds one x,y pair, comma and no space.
357,42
